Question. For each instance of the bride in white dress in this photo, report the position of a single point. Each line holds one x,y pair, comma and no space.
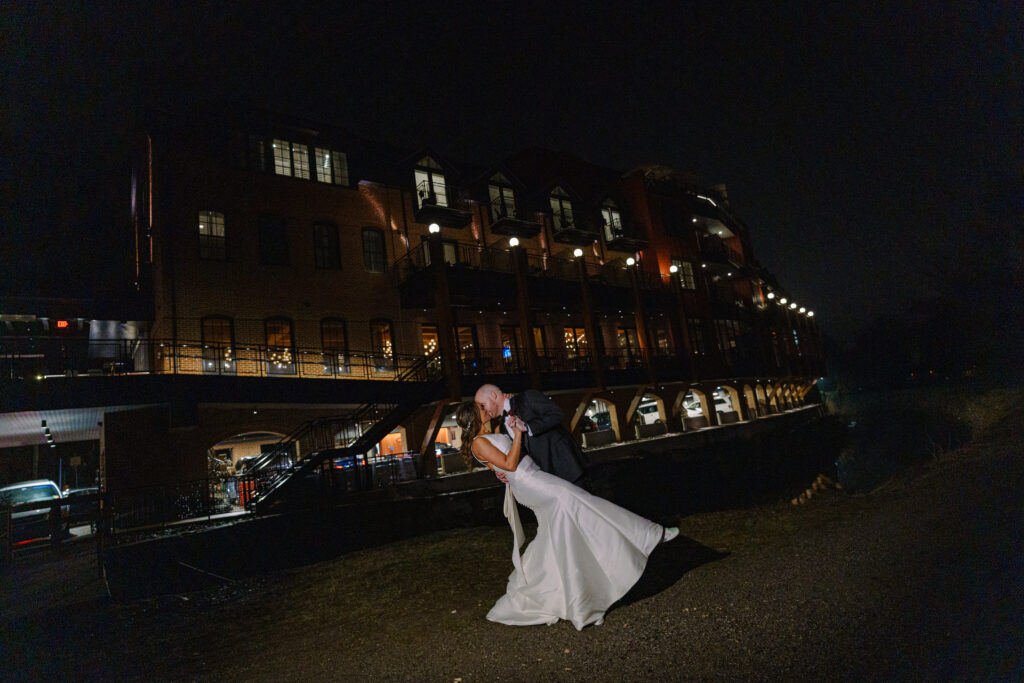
588,552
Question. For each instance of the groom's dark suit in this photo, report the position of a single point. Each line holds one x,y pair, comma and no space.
548,443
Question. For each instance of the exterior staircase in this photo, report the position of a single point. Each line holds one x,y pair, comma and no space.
268,482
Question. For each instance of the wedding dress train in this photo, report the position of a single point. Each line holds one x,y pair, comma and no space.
588,552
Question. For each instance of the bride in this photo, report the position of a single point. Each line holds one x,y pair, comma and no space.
588,552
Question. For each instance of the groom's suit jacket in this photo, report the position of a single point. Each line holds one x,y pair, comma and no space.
551,445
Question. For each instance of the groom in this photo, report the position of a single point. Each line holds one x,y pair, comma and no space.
546,441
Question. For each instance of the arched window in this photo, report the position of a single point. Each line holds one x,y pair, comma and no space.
280,358
382,345
218,345
334,337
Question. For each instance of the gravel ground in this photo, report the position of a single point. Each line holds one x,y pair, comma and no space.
922,579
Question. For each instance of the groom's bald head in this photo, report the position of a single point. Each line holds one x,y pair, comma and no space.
490,400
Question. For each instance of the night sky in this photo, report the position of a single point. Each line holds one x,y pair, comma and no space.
866,147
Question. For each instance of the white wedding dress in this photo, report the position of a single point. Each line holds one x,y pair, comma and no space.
588,552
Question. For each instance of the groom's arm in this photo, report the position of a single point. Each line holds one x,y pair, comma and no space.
546,415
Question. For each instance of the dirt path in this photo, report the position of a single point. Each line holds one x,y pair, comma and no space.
922,580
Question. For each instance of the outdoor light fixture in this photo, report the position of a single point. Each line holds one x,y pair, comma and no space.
577,252
810,314
793,305
771,295
630,261
673,269
434,228
803,309
514,242
783,301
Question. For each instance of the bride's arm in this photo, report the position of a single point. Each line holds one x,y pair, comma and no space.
485,450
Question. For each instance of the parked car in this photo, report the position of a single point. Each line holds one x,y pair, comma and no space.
82,506
35,523
603,420
694,408
649,413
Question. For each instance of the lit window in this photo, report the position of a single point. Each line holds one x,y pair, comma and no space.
612,221
331,166
561,209
685,272
280,353
383,349
503,201
430,339
282,157
300,160
575,341
212,243
430,185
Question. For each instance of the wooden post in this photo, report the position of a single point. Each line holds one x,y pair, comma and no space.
640,316
525,315
445,319
588,323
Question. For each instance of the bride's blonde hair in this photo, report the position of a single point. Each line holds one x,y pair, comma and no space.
467,416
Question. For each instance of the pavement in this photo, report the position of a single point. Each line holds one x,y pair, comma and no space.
921,579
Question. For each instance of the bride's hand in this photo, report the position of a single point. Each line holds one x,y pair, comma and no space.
516,423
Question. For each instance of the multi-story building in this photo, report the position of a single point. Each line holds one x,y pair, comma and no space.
297,271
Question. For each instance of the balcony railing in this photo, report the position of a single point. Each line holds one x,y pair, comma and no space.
36,358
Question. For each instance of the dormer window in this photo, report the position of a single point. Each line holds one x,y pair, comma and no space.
561,209
291,159
503,198
430,185
612,220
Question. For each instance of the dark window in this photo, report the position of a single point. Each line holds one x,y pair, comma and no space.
212,236
373,250
273,241
325,246
696,329
673,220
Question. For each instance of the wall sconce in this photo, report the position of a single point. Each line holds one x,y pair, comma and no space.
577,252
630,261
771,295
513,242
673,269
434,228
793,305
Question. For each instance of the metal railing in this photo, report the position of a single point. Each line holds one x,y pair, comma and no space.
37,358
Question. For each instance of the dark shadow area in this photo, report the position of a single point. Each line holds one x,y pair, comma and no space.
885,442
667,564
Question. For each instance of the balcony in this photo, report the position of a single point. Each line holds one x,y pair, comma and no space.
567,229
719,257
505,222
432,206
628,237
